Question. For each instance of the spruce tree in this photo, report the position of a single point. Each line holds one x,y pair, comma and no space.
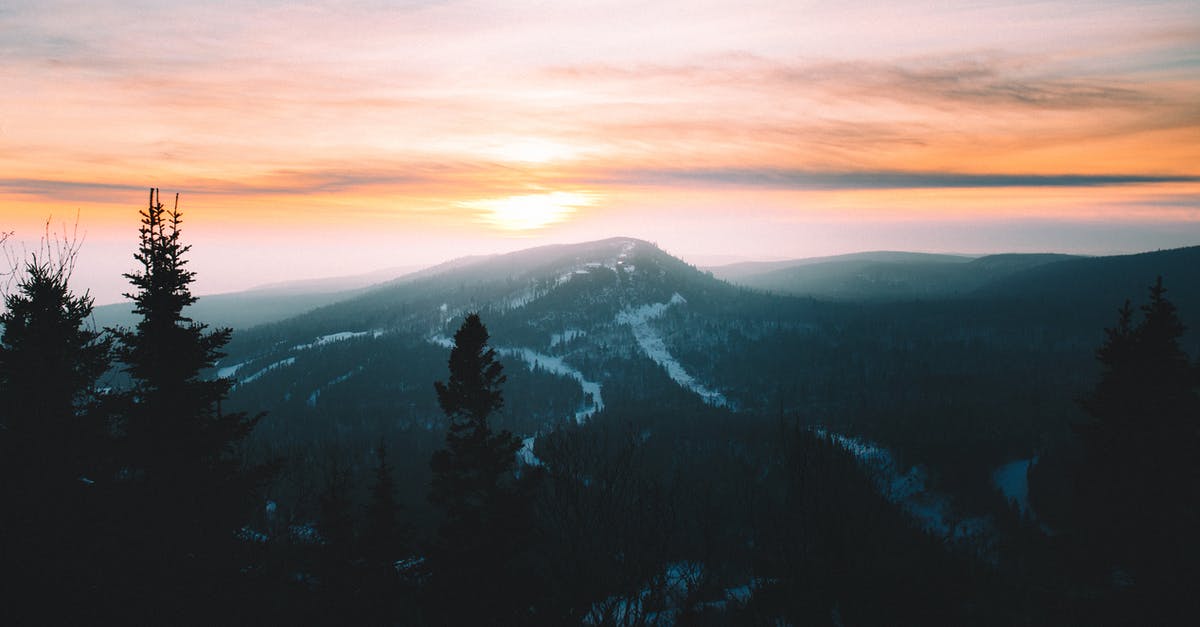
474,486
50,359
1139,483
52,441
188,490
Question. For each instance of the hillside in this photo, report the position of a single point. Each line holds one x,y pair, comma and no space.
881,276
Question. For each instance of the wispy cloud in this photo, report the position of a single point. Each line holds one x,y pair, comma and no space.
818,180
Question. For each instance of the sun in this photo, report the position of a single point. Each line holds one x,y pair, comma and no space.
530,211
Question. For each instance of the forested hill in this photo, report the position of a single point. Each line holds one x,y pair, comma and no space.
692,449
882,276
1095,286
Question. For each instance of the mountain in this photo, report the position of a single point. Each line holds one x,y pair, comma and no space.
735,271
881,276
546,305
618,332
1087,291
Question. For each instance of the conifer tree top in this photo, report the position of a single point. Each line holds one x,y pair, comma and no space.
473,389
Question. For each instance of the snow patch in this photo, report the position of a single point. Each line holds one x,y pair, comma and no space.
592,401
566,336
282,363
312,398
441,340
1013,481
229,371
331,338
908,489
653,345
525,455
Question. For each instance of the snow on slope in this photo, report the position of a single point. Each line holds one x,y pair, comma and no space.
525,455
652,344
279,364
312,398
566,336
1013,480
593,402
908,490
229,371
335,337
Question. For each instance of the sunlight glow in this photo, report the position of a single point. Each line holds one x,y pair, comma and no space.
531,211
531,151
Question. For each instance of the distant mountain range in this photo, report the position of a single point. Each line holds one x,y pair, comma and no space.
877,276
882,275
262,304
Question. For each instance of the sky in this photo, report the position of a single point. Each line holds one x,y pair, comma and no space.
330,138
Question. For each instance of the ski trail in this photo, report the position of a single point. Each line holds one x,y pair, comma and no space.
593,401
653,345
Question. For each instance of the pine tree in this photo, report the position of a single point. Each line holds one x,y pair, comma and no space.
1139,483
53,439
50,359
474,486
186,487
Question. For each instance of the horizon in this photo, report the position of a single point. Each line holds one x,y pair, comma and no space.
379,276
338,139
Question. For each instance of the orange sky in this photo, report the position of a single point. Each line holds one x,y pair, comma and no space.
342,137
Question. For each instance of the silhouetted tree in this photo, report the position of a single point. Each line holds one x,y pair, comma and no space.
474,486
50,359
52,437
1139,481
188,489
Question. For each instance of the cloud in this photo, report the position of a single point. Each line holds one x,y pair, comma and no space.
824,180
989,79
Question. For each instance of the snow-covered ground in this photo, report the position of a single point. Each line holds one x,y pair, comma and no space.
661,601
592,400
229,371
282,363
1013,481
525,455
335,337
566,336
652,344
441,340
908,489
312,398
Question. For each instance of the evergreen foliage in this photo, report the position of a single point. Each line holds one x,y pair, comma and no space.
50,360
1139,479
52,440
474,487
186,489
383,536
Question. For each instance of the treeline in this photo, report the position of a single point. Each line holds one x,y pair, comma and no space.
154,502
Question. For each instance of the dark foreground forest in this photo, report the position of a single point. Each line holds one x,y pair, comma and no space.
622,443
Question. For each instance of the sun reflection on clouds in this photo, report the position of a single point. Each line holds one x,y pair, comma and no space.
529,211
531,150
